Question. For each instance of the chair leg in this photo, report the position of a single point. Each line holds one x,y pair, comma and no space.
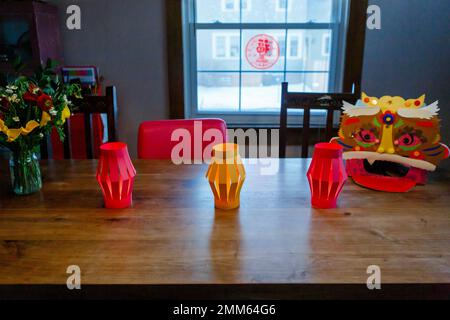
283,134
44,149
305,133
283,121
66,144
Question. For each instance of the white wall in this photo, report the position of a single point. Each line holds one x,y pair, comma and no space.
126,39
410,55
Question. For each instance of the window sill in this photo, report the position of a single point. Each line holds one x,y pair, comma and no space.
268,119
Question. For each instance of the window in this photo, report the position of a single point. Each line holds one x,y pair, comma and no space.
234,46
233,5
295,44
246,5
326,44
230,5
282,5
225,46
219,46
293,50
236,59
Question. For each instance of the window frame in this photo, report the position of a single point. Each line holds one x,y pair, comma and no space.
179,13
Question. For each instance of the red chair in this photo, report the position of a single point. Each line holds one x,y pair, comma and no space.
78,139
155,137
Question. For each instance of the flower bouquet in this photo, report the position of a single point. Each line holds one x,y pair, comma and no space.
30,107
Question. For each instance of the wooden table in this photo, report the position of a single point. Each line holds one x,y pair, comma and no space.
173,235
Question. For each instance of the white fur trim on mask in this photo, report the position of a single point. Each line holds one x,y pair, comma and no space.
356,111
426,112
374,156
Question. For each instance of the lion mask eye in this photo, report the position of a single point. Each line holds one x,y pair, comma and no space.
409,140
366,136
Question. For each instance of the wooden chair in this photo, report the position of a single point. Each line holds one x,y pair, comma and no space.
87,106
309,101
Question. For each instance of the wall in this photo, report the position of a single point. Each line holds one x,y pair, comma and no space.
126,40
409,56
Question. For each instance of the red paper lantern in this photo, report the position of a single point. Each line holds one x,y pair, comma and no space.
115,174
326,175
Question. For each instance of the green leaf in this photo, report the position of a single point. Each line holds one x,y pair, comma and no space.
52,64
49,73
60,130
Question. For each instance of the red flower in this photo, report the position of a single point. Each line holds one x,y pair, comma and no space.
44,102
32,94
29,97
4,103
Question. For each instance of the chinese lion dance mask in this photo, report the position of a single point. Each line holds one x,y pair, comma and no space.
390,144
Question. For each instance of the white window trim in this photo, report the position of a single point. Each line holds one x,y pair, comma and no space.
227,36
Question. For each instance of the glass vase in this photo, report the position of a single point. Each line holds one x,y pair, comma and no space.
25,172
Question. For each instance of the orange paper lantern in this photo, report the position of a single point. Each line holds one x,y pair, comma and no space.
226,175
115,174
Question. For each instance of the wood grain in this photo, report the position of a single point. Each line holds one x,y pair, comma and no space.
173,234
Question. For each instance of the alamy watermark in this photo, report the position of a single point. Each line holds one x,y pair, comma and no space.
374,18
255,141
74,280
374,280
73,21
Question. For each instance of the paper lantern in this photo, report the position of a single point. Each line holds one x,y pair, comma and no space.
326,175
115,174
226,175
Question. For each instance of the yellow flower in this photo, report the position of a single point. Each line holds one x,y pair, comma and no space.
45,118
13,134
31,125
65,114
3,128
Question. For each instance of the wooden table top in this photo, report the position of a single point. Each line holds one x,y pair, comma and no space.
173,234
